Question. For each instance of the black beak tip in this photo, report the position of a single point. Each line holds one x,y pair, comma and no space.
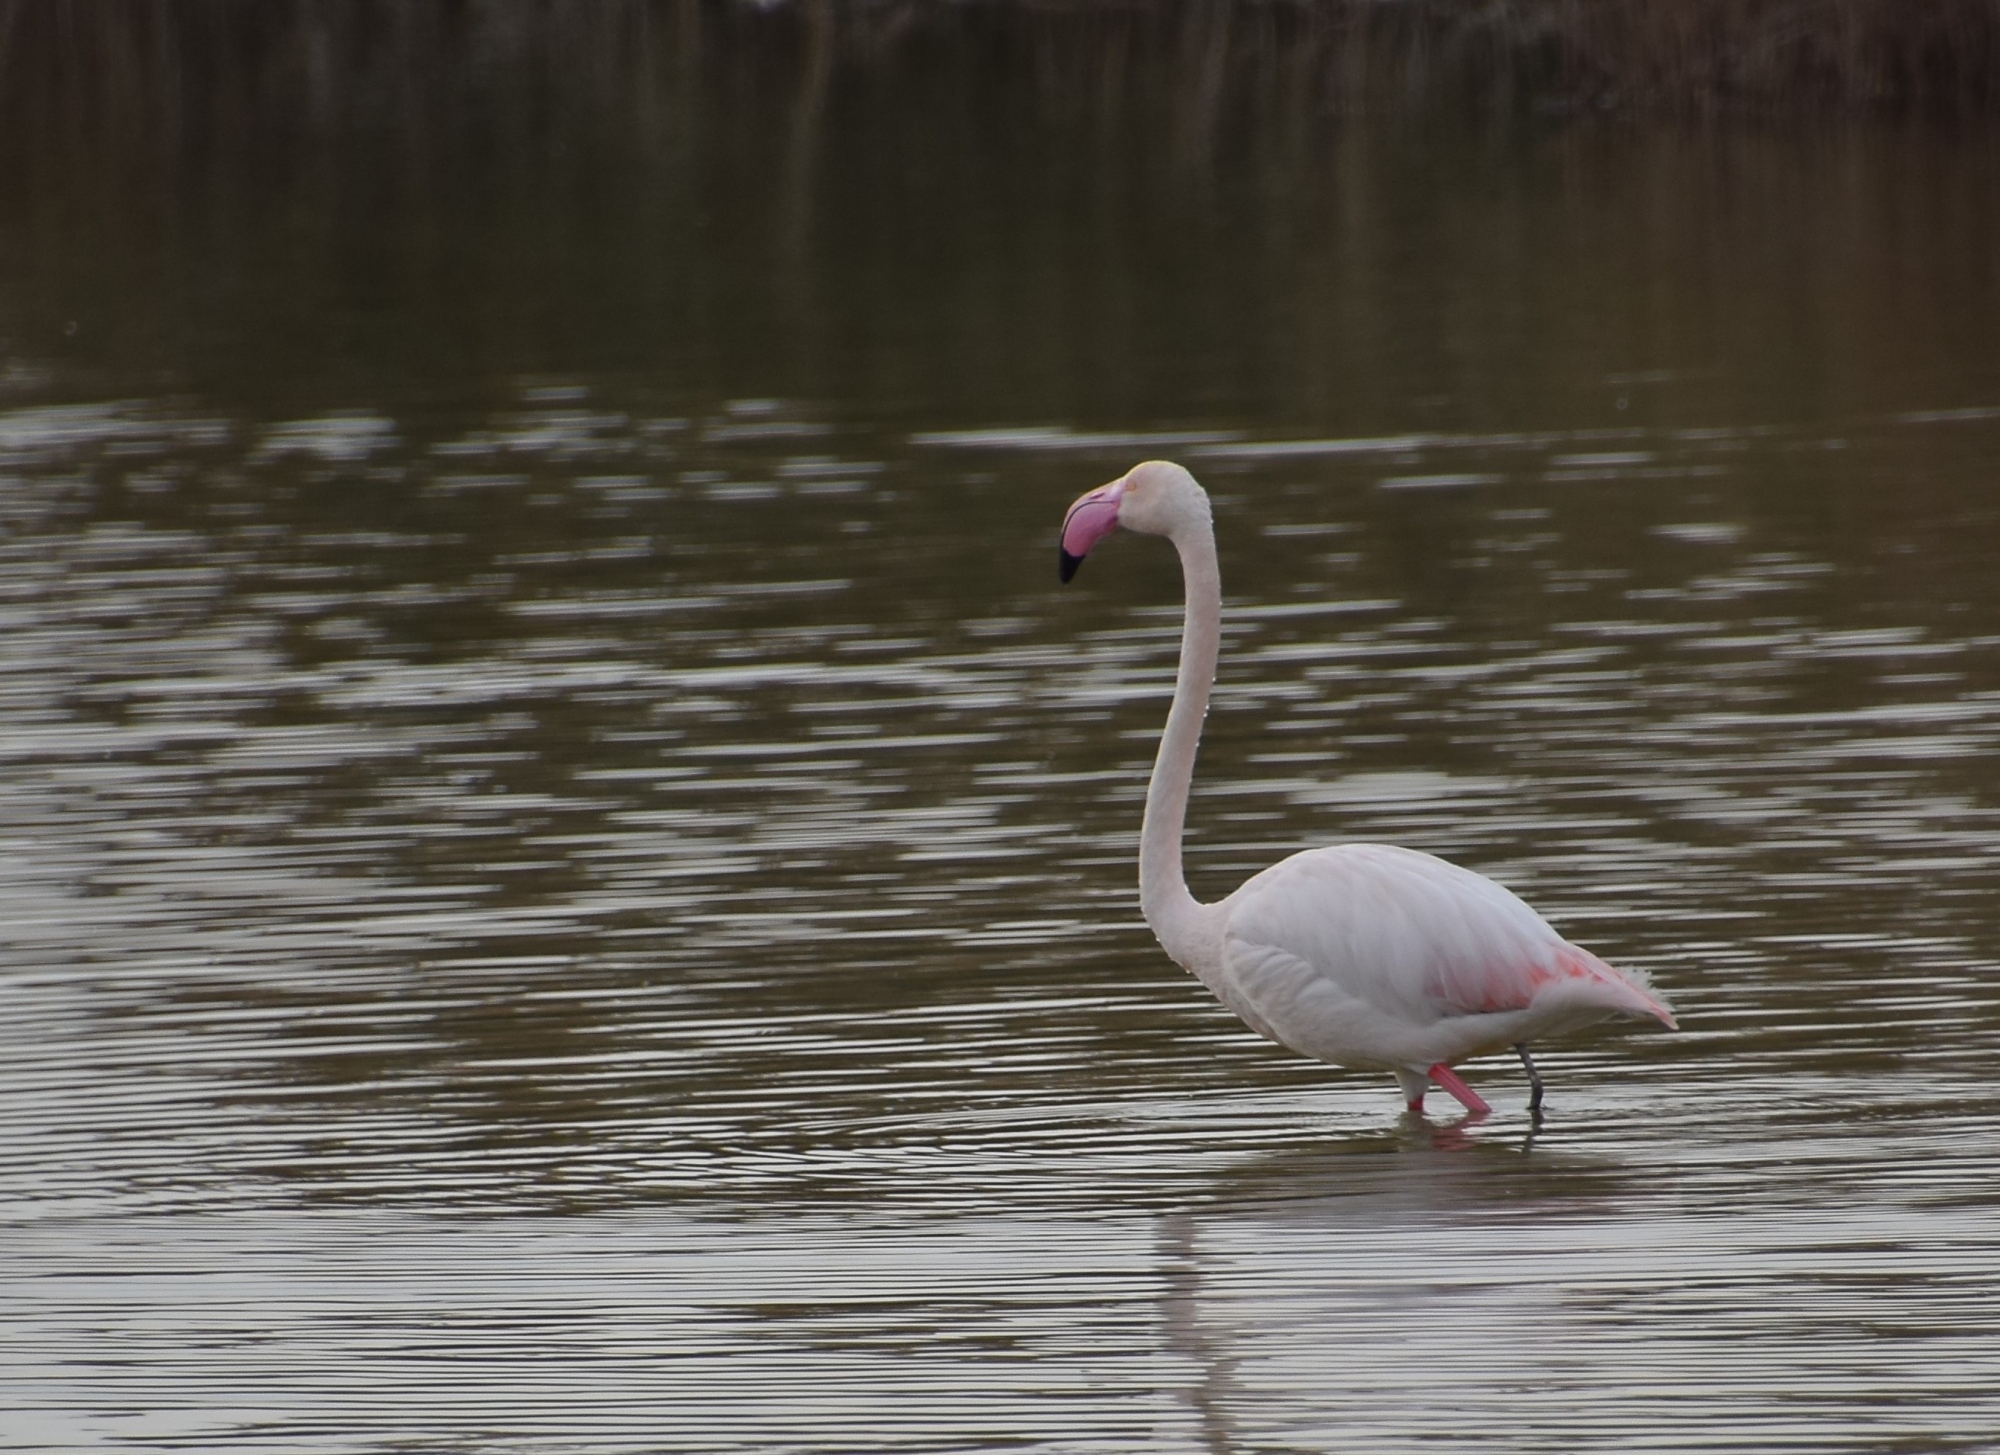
1069,565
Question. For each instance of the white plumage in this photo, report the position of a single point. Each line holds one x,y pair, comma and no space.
1363,955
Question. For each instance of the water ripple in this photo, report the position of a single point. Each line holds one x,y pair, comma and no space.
679,913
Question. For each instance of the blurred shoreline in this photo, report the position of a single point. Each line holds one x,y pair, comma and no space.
307,66
1113,213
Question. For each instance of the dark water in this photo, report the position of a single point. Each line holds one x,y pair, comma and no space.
568,868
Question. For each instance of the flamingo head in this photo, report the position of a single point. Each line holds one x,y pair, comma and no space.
1153,497
1093,517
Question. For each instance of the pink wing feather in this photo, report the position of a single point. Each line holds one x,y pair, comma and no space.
1563,969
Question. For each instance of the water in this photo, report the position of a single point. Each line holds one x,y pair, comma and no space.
568,878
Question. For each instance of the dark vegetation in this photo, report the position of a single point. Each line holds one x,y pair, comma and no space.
146,64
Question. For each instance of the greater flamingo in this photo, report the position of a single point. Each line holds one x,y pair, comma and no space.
1367,956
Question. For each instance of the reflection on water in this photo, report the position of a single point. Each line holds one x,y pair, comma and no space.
591,905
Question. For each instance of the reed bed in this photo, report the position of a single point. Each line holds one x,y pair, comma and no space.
311,63
1934,54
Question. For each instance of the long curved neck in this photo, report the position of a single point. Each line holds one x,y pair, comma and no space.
1174,914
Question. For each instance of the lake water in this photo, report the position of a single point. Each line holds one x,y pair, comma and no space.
568,871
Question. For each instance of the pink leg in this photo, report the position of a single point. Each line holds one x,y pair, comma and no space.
1444,1076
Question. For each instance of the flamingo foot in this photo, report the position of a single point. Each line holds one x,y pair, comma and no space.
1447,1078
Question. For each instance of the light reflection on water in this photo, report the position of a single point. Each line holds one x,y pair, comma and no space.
714,835
1184,1331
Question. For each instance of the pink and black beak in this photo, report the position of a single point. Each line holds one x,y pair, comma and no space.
1093,517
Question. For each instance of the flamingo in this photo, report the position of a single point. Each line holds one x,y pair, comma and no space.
1363,955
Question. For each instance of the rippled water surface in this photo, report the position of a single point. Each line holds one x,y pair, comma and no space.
573,891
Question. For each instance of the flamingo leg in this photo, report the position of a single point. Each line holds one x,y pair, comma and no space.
1414,1084
1447,1078
1534,1081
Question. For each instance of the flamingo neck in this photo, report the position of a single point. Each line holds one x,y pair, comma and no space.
1175,916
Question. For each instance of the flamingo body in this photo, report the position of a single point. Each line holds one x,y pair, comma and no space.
1363,955
1372,956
